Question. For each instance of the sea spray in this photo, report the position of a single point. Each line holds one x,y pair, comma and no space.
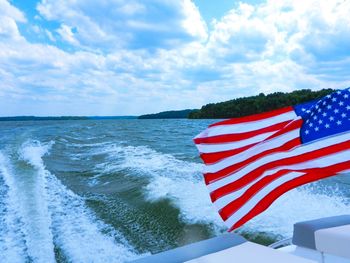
181,181
74,229
37,217
178,180
148,177
12,245
298,205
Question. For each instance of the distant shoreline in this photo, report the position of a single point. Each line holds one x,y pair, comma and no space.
181,114
238,107
65,118
174,114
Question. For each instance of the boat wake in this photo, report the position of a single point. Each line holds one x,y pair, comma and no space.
182,183
12,239
303,203
43,221
178,180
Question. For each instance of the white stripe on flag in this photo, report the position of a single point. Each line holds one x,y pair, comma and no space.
279,156
321,162
255,150
247,126
220,147
257,198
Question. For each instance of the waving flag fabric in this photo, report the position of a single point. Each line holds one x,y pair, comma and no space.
251,161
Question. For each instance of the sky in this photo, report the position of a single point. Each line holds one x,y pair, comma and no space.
131,57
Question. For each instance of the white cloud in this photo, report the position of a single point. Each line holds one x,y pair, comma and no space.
193,22
67,34
9,15
111,25
8,28
8,10
131,8
283,45
125,57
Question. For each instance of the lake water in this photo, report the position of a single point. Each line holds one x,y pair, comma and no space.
116,190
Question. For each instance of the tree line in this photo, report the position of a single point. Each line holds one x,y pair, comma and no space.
180,114
256,104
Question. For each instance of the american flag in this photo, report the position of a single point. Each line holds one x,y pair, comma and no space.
251,161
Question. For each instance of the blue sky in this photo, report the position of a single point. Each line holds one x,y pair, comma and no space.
126,57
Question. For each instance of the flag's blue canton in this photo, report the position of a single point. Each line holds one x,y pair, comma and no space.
327,116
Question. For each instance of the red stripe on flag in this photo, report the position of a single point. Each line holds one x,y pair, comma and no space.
291,125
210,158
255,117
229,188
239,136
317,174
212,177
232,207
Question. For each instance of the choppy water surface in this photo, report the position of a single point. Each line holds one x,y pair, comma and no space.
116,190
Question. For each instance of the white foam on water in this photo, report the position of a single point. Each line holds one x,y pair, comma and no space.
78,233
36,215
12,246
68,223
85,153
180,181
81,145
298,205
191,197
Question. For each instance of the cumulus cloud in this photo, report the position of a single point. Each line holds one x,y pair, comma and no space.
283,45
111,25
120,57
9,16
